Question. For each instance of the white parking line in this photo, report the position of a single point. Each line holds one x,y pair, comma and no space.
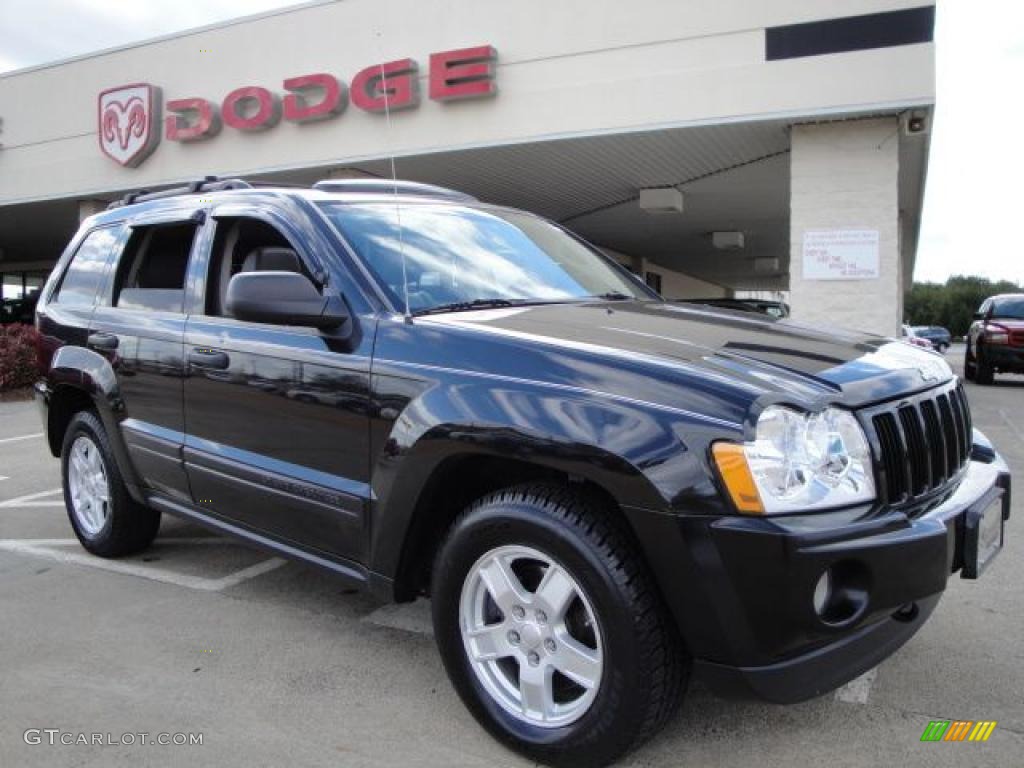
48,548
31,500
20,437
408,617
857,690
190,540
233,579
1013,427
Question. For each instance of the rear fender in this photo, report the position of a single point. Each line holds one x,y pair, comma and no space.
93,374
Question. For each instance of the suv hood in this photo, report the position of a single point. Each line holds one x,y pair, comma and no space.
713,349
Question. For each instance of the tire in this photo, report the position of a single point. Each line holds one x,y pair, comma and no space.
970,370
983,372
641,668
106,520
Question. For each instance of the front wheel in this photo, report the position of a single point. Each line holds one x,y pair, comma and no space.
551,628
984,373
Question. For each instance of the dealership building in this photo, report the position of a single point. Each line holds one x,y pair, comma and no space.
716,149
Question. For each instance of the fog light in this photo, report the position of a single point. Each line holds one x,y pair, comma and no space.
823,593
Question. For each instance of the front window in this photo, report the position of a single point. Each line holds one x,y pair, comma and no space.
457,257
1008,309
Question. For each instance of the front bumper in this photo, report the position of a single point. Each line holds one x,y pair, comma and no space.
1005,358
761,635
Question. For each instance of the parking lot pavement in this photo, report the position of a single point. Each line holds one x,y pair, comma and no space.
277,664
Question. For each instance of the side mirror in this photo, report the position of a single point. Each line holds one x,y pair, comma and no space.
283,298
978,315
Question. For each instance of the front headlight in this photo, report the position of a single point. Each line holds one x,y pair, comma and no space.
798,462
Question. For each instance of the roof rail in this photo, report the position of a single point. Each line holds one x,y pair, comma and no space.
206,184
389,187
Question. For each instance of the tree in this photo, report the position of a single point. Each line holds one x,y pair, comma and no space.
952,305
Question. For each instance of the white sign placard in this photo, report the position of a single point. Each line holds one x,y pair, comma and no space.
840,254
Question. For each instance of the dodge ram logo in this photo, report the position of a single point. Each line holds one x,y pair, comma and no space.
129,123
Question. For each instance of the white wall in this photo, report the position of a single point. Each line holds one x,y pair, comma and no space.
565,68
674,285
845,176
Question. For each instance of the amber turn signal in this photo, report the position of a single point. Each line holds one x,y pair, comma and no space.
735,474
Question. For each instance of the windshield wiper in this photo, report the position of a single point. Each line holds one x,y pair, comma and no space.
613,296
464,306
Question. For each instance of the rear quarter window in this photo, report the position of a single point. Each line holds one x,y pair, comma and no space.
81,282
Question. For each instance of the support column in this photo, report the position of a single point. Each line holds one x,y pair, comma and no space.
843,189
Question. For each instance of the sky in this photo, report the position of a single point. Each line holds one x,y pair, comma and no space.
973,198
972,201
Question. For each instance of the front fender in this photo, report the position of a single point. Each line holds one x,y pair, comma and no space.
644,456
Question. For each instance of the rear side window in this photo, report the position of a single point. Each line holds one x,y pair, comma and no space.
151,274
85,273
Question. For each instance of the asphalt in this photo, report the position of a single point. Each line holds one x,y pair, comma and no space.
277,664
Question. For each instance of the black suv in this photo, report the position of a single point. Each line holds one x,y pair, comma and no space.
600,491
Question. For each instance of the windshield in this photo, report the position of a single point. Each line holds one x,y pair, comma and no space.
1010,309
457,255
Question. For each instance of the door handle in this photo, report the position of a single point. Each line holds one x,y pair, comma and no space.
104,341
208,358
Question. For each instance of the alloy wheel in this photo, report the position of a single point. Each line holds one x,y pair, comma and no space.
531,635
87,482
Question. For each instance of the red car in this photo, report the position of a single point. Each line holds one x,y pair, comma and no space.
995,341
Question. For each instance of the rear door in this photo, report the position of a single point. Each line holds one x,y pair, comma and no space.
139,326
276,416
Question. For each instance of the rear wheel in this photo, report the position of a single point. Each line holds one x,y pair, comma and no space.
551,629
106,520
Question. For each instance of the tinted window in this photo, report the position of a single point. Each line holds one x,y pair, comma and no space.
1010,308
455,254
82,280
152,271
245,245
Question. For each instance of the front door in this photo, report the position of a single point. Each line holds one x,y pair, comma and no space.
276,416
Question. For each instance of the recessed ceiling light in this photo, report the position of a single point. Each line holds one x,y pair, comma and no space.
661,200
727,241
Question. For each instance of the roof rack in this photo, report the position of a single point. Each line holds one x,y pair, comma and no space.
389,187
206,184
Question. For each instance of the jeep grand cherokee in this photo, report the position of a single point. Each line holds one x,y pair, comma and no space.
600,491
